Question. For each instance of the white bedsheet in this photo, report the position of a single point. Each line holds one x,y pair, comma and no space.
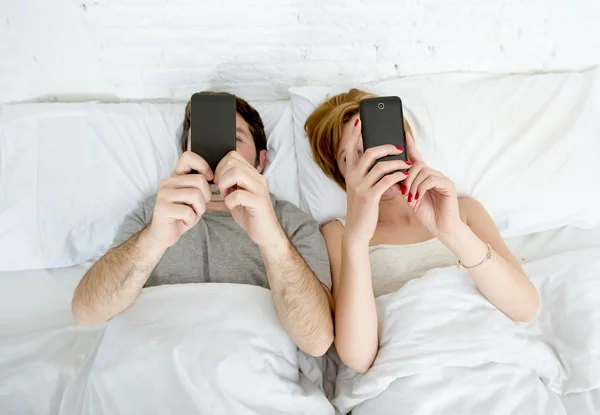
193,349
584,403
491,389
440,321
33,300
39,342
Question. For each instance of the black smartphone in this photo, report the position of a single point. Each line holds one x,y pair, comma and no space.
213,126
383,123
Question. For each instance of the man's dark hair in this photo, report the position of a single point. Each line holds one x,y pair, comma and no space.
246,111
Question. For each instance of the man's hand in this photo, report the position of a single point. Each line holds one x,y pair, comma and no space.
247,196
181,200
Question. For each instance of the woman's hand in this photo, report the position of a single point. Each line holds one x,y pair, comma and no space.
430,194
365,184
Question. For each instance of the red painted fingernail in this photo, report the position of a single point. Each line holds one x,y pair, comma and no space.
417,196
410,197
405,173
356,122
400,148
404,189
408,163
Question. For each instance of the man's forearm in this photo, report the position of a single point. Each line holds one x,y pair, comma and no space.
300,298
116,279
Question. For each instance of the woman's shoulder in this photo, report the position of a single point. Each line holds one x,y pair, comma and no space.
333,229
468,207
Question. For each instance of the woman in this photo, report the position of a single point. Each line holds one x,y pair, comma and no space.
399,224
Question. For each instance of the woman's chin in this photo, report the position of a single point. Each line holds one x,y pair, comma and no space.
392,192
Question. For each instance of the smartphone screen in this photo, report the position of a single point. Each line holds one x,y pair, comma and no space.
383,123
213,126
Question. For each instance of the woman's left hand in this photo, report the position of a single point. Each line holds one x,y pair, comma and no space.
430,194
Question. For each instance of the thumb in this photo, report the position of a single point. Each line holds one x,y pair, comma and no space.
353,144
411,148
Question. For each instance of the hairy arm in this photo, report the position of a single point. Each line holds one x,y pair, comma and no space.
116,280
356,325
302,302
500,279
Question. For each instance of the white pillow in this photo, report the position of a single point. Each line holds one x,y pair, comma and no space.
69,173
282,169
524,145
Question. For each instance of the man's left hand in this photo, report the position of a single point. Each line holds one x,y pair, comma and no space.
246,194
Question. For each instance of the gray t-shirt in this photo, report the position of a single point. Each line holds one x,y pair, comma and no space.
217,249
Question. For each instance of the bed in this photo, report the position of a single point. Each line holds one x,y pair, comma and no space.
39,356
70,172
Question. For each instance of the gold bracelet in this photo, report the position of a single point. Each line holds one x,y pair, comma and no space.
487,256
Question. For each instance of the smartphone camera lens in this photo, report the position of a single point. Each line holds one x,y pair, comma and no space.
380,106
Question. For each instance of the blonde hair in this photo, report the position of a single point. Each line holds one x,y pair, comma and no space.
324,128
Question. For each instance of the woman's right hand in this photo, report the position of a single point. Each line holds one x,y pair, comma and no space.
366,184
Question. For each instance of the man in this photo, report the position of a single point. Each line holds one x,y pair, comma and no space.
182,236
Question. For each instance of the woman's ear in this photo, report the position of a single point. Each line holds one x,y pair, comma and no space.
262,160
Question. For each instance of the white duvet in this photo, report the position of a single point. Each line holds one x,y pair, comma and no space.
445,349
180,349
220,349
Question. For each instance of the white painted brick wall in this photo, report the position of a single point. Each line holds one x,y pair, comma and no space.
167,49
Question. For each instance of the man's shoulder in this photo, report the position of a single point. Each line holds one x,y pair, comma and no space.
149,201
287,208
290,215
146,207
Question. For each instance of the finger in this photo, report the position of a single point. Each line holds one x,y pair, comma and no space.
184,213
193,181
427,184
237,156
191,197
244,179
351,153
232,159
411,149
191,161
423,174
242,198
375,153
382,168
413,172
387,182
442,184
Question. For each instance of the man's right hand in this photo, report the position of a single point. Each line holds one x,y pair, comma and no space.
181,200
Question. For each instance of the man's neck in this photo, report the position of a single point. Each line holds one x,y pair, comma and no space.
218,206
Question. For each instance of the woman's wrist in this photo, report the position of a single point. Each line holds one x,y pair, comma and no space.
463,242
353,242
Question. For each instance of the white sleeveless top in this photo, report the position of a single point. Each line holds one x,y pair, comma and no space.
392,266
